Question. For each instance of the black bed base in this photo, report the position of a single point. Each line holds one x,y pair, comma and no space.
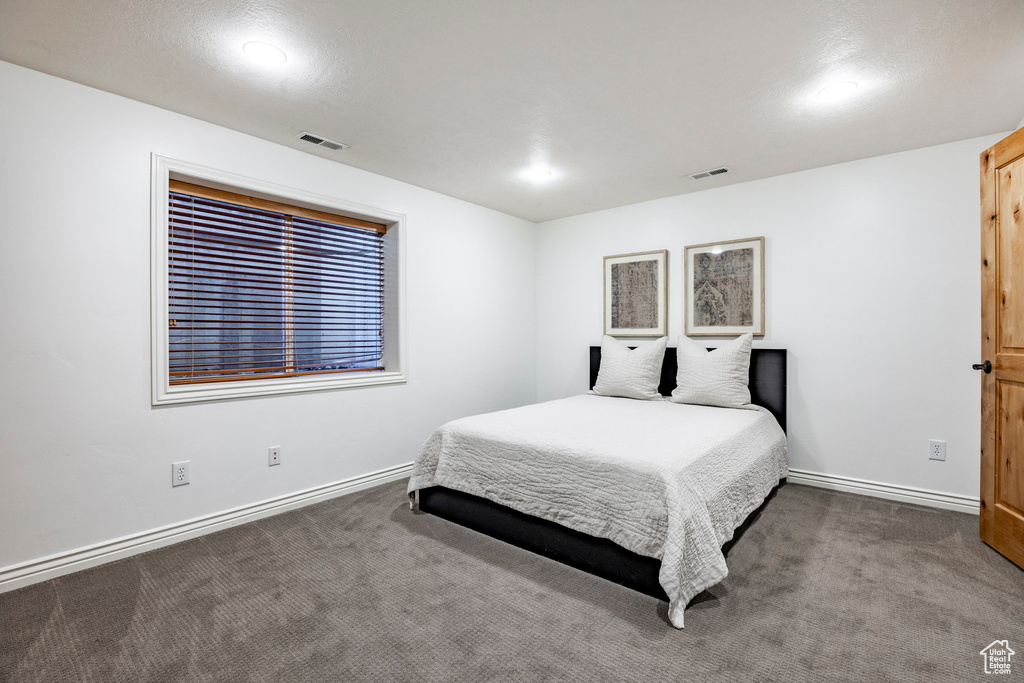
597,556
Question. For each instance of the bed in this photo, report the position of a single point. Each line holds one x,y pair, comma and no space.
643,493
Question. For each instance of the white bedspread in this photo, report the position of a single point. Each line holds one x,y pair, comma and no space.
661,479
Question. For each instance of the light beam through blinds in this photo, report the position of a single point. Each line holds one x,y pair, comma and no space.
262,290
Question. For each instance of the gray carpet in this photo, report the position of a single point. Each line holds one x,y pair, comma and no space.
822,586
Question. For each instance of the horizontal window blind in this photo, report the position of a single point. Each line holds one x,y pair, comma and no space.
258,289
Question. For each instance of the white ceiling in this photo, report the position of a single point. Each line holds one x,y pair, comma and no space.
622,99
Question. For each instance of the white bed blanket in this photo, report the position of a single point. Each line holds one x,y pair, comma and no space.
661,479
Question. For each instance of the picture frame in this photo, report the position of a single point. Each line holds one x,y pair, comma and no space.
636,294
724,288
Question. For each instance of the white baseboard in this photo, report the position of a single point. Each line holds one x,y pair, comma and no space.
24,574
905,494
34,571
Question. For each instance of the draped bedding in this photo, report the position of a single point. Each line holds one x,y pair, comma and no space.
661,479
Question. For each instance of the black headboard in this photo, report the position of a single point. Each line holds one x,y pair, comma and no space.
767,378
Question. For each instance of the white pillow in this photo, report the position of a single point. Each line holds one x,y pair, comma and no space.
715,378
629,373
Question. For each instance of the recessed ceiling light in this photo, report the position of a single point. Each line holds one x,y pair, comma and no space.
837,91
538,174
265,53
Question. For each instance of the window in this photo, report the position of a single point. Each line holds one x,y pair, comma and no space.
270,293
259,289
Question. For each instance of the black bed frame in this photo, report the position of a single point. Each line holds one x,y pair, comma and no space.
599,556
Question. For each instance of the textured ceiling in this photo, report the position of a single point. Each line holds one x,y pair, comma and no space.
623,99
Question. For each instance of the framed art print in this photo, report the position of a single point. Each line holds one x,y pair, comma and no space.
636,294
724,287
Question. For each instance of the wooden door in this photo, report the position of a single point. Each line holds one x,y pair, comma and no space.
1002,343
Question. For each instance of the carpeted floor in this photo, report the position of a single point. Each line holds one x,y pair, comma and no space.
822,586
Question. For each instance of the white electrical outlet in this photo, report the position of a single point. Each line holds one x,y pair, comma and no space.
273,456
936,450
179,473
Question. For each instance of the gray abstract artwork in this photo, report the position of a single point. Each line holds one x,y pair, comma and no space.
723,288
634,289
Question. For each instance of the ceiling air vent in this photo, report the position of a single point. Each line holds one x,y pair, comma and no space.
707,174
321,141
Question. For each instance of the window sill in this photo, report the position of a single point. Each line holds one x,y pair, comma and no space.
194,393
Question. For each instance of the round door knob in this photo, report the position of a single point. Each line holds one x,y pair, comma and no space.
986,366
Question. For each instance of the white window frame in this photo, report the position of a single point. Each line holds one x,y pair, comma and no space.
165,169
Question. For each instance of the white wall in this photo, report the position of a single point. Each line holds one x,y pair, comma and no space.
85,457
873,284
